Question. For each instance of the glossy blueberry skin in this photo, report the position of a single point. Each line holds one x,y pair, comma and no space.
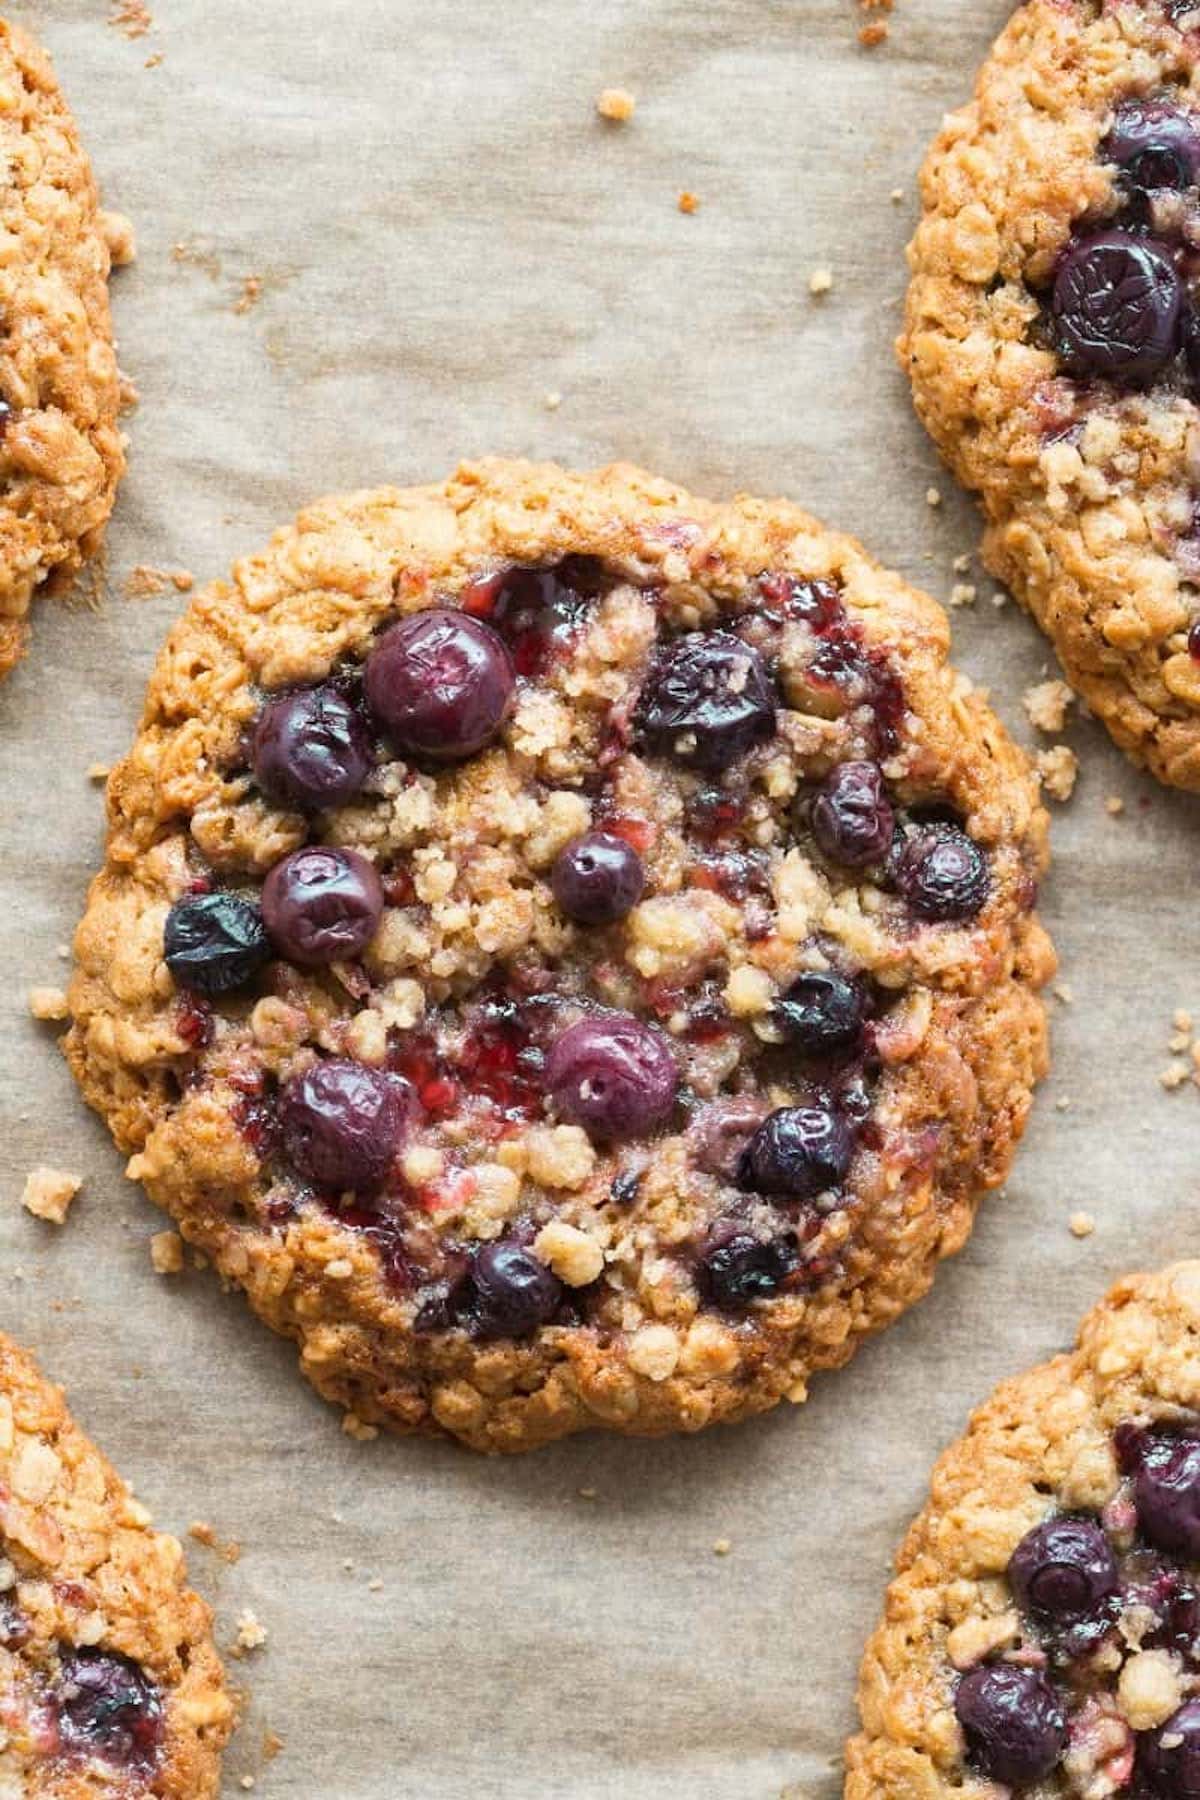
440,683
342,1123
1117,307
107,1707
1063,1570
310,750
213,943
1169,1756
598,878
1013,1721
613,1075
822,1014
1154,146
322,905
943,874
798,1152
708,699
739,1269
852,819
512,1293
1166,1493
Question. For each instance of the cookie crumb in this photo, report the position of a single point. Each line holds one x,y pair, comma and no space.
587,1493
820,282
205,1534
119,237
1173,1076
1064,993
963,593
1046,704
616,104
553,400
271,1746
688,202
1114,806
1057,771
897,196
875,31
999,599
144,581
251,1633
48,1193
48,1003
1181,1019
932,497
722,1547
358,1428
99,771
250,295
1081,1224
247,1783
132,18
166,1253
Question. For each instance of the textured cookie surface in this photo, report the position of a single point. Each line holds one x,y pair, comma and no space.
1043,1636
565,949
1053,346
60,446
109,1683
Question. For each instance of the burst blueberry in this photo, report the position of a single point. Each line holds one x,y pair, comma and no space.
852,819
737,1269
213,943
1154,146
943,874
310,750
798,1152
108,1707
1117,306
440,683
707,701
598,878
822,1013
612,1074
342,1123
1013,1721
322,905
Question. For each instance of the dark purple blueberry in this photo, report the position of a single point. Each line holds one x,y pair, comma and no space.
215,942
1013,1721
342,1123
852,819
440,684
942,873
322,905
613,1075
109,1708
707,700
1154,146
1063,1569
310,750
736,1270
1193,642
822,1014
598,878
1166,1492
1117,304
798,1152
1169,1756
512,1293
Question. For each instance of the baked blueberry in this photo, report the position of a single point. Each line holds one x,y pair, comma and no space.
707,700
1013,1721
342,1123
735,1270
822,1013
440,684
798,1152
322,905
1154,146
310,750
512,1292
107,1707
1169,1756
852,819
1063,1570
1166,1492
1117,305
613,1075
598,878
942,873
213,943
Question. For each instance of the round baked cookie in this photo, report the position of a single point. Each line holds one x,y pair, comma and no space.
61,452
1053,342
1043,1635
109,1683
566,949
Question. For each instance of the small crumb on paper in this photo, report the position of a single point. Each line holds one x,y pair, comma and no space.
874,31
166,1253
133,18
144,581
251,1633
553,400
722,1547
49,1192
820,282
120,237
932,497
616,104
1114,806
48,1003
688,202
1046,704
358,1428
1057,771
250,294
963,593
99,771
1081,1224
205,1534
1173,1076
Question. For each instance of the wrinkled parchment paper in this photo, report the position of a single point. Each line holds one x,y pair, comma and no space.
437,234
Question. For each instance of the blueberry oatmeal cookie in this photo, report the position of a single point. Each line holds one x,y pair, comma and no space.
1053,342
61,452
1043,1635
566,949
109,1683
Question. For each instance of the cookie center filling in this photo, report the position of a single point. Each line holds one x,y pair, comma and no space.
576,976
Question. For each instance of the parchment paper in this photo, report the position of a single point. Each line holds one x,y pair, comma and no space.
445,234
